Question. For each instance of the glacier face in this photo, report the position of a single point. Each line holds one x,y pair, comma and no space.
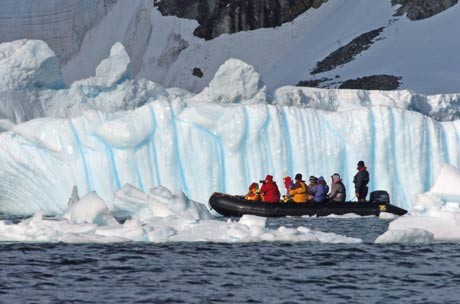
202,148
234,132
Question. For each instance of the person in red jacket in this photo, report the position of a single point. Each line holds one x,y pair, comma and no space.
270,191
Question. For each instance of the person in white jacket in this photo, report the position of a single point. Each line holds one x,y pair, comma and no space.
338,192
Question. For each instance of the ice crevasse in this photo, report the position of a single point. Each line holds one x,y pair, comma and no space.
110,130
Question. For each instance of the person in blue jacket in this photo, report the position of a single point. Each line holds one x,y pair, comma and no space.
317,190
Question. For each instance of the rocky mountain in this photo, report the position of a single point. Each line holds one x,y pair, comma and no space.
378,44
421,9
217,17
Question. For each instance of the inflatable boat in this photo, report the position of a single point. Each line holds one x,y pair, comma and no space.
235,205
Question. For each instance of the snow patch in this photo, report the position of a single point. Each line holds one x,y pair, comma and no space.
235,82
435,216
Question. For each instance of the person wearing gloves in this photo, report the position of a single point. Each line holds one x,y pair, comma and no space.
361,180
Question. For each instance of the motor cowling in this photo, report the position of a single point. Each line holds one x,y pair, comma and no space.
380,196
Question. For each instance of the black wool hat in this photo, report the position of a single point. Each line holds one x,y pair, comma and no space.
361,164
298,176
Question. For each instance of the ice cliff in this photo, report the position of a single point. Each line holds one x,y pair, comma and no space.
109,130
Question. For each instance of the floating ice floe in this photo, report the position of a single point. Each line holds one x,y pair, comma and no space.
435,216
162,217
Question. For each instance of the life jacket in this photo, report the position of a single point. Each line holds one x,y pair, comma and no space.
299,192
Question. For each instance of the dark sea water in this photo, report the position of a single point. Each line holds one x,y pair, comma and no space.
235,273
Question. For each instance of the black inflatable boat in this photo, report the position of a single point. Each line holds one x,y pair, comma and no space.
235,205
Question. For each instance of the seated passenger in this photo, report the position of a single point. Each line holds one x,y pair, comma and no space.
287,184
317,190
299,191
323,182
269,190
253,194
338,192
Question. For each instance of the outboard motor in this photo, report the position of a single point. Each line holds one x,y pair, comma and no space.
382,198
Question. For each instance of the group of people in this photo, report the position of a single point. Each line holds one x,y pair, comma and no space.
317,190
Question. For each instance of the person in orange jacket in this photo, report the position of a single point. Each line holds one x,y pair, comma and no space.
299,191
253,194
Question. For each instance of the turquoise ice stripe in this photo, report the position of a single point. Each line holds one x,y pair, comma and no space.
152,148
428,150
182,181
244,147
287,137
373,151
113,165
83,152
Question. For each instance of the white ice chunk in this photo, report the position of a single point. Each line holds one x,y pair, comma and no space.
412,235
91,209
447,185
28,64
436,214
387,216
114,69
159,202
236,82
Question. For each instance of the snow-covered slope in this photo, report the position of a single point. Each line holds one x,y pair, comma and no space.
164,49
421,52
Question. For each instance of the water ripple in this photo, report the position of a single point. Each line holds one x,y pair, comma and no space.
234,273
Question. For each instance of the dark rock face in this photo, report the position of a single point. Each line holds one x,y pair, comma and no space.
314,83
374,82
197,72
217,17
347,52
421,9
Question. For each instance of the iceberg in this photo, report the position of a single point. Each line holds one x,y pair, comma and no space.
31,85
435,215
107,131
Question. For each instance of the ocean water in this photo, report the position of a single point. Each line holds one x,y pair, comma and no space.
235,273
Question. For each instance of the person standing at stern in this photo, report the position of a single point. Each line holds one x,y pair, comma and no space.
361,180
